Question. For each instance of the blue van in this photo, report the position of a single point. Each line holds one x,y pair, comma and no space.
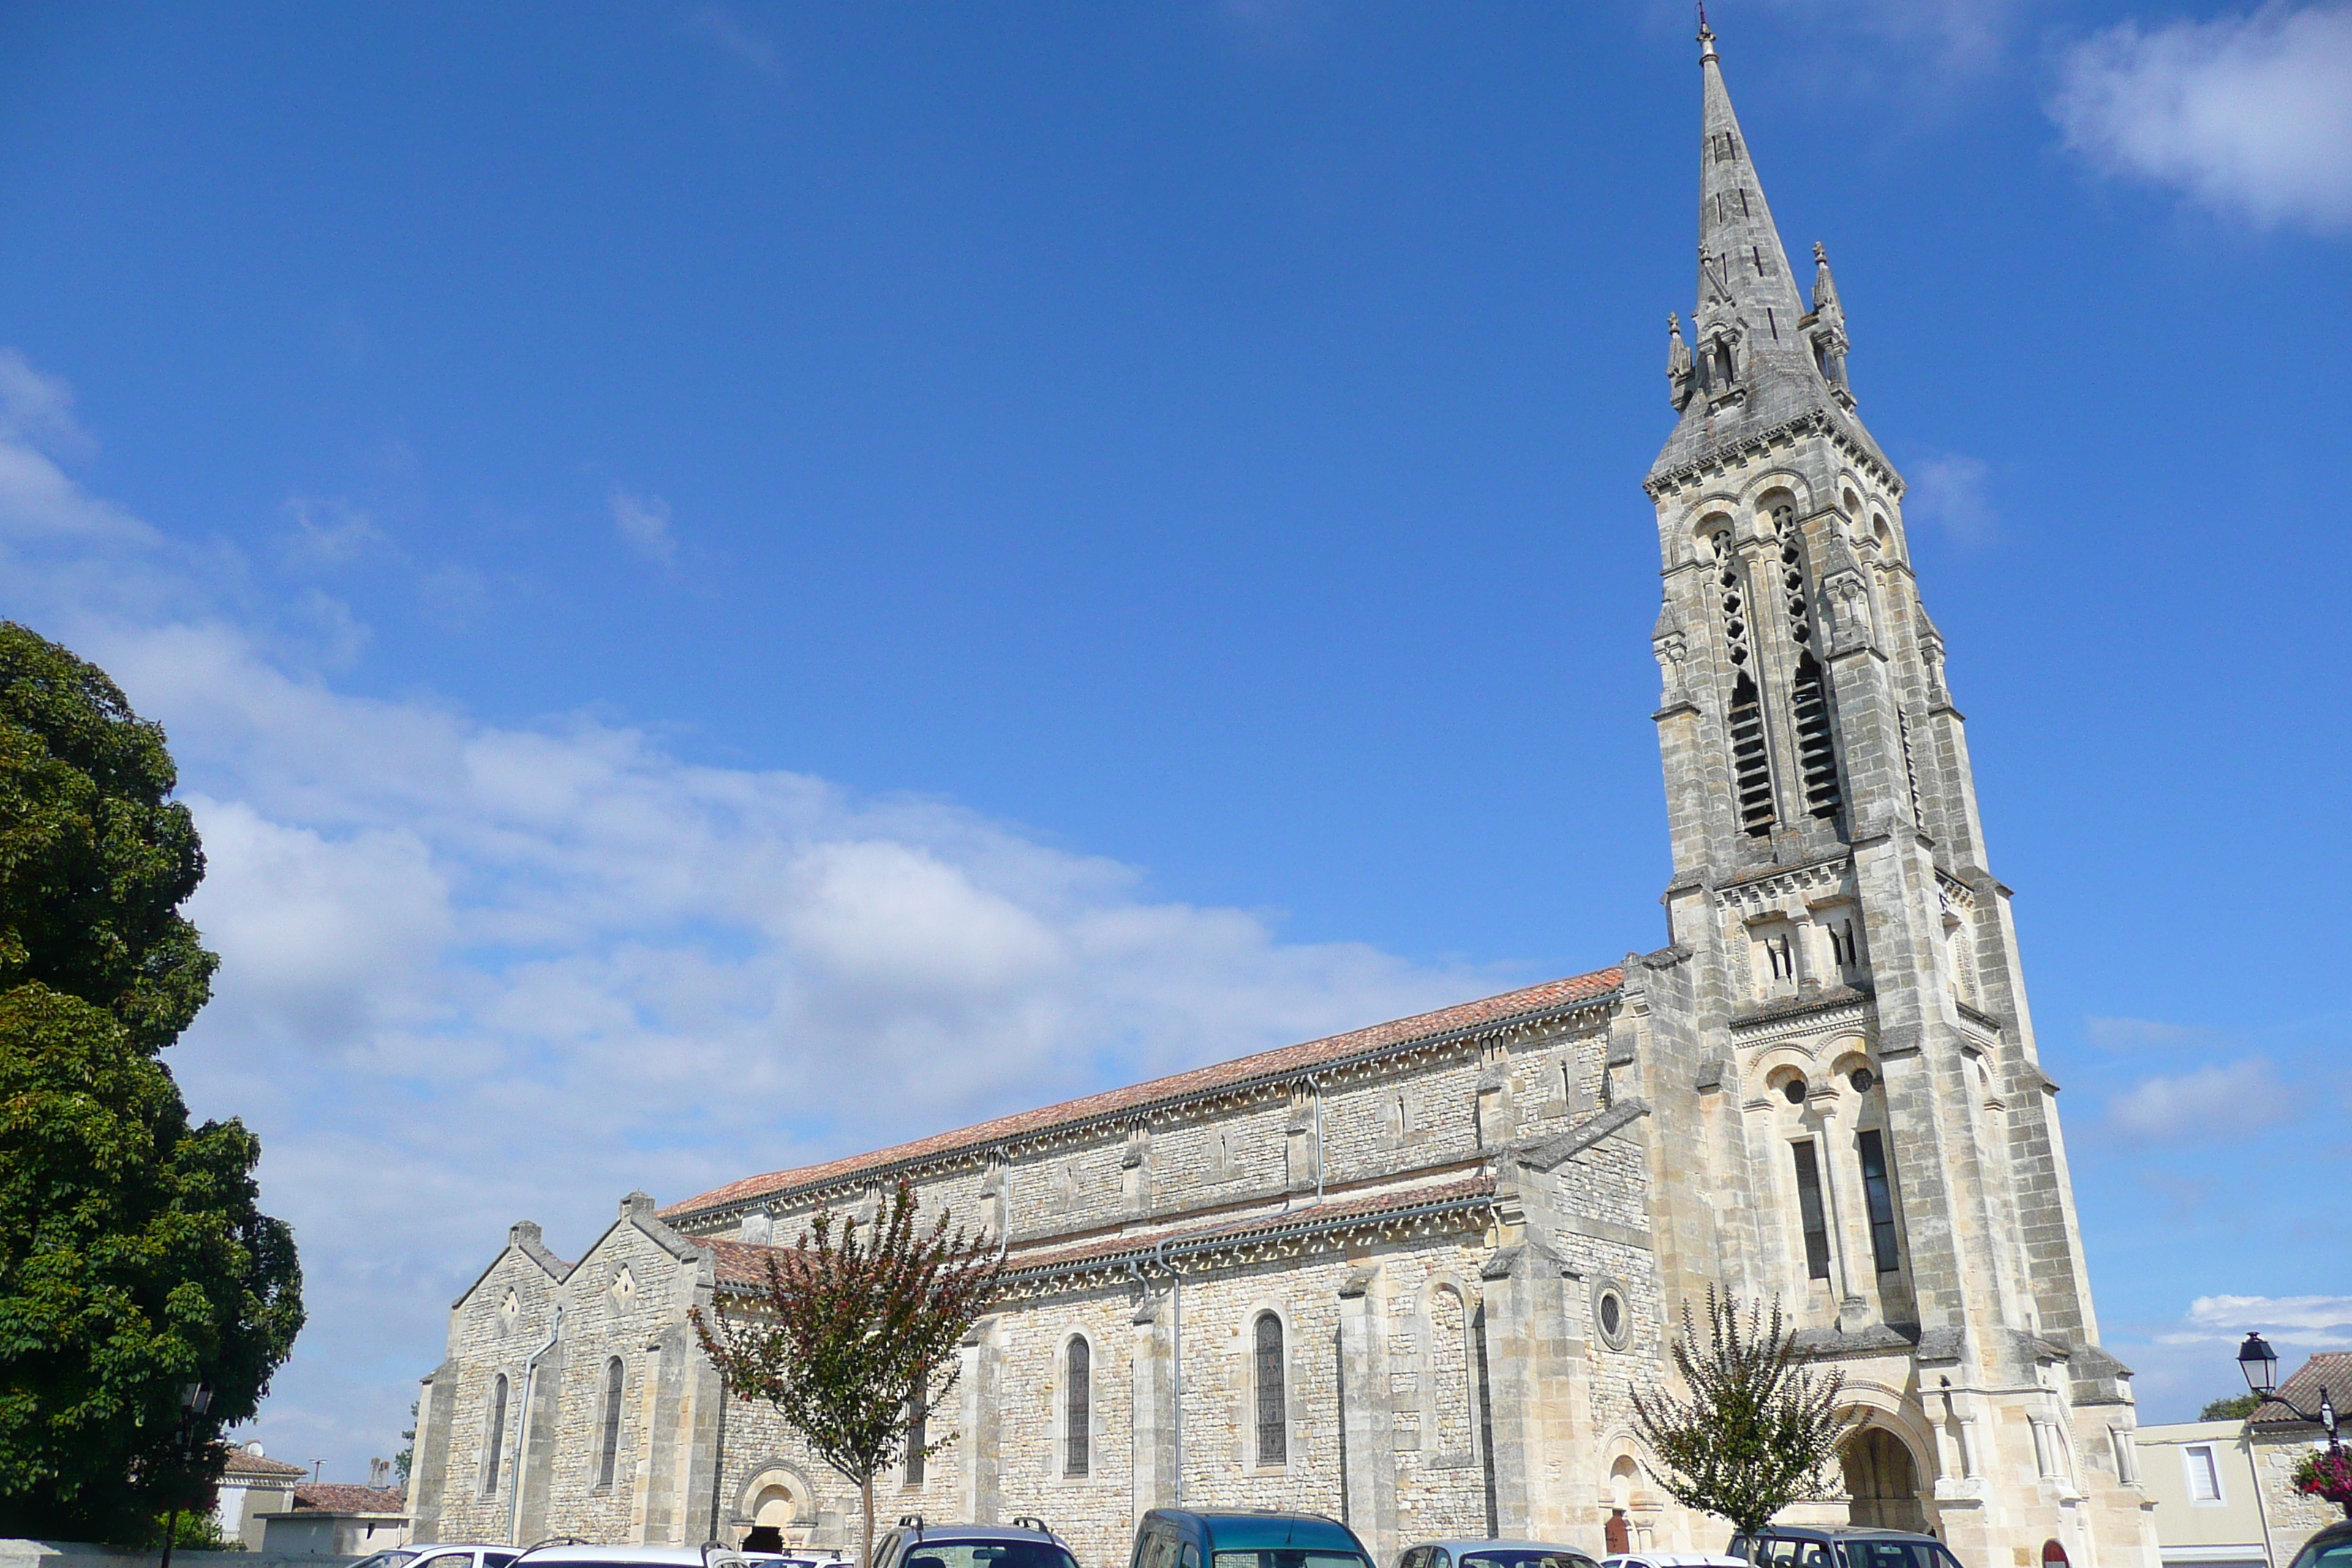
1178,1537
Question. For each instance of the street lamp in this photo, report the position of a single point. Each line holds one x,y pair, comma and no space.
2260,1363
194,1399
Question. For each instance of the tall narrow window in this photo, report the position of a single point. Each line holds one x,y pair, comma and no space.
1078,1433
494,1439
1878,1195
609,1452
1273,1446
1811,1211
918,1436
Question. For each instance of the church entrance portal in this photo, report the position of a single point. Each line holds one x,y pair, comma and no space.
1881,1482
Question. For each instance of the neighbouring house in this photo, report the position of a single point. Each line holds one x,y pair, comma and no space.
251,1485
2208,1506
2280,1439
336,1520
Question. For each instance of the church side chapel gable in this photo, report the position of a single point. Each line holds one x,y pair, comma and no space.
1412,1276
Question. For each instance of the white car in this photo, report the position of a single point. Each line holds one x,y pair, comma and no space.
455,1554
1473,1553
1672,1560
579,1555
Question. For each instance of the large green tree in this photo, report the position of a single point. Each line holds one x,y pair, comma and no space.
133,1255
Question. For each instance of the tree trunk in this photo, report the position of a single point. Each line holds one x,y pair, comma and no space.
865,1492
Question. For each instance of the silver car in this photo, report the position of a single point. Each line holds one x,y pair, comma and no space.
1475,1553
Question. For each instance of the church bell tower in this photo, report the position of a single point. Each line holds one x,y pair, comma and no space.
1873,1140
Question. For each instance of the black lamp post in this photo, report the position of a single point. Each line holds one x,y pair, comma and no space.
194,1399
2260,1363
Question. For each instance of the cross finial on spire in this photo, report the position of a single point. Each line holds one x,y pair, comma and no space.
1705,35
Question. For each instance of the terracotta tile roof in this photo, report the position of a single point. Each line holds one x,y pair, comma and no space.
1532,1000
256,1466
2331,1370
333,1496
1309,1216
743,1264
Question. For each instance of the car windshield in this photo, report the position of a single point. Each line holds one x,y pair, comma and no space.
2336,1554
499,1559
933,1553
1291,1557
1523,1557
1897,1554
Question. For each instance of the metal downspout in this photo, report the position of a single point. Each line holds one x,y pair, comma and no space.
522,1438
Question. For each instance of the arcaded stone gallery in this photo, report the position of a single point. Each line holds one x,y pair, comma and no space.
1411,1276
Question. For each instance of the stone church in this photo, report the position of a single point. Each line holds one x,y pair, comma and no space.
1410,1277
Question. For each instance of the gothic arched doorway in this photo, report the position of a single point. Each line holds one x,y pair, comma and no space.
1882,1484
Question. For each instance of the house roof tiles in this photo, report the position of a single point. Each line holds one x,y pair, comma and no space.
333,1496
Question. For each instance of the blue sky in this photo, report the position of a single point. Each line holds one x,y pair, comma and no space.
701,559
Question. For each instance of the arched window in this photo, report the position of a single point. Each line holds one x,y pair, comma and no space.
1273,1431
609,1451
494,1436
1077,1431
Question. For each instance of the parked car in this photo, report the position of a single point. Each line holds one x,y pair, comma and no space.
1477,1554
914,1542
1671,1560
2331,1548
580,1554
397,1557
460,1554
1180,1538
1840,1546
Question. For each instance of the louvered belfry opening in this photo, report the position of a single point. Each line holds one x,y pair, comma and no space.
1751,769
1809,697
1816,751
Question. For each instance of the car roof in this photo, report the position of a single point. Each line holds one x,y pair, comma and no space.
1267,1529
455,1546
1678,1559
659,1556
1459,1544
929,1529
1842,1533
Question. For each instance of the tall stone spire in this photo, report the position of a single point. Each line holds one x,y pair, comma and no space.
1759,356
1743,272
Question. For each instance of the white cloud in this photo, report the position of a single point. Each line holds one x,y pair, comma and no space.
643,523
721,27
2317,1321
474,973
1950,492
2182,1364
39,409
2249,113
328,534
2225,1100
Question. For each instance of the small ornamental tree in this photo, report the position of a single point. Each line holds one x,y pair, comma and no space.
856,1327
1757,1433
